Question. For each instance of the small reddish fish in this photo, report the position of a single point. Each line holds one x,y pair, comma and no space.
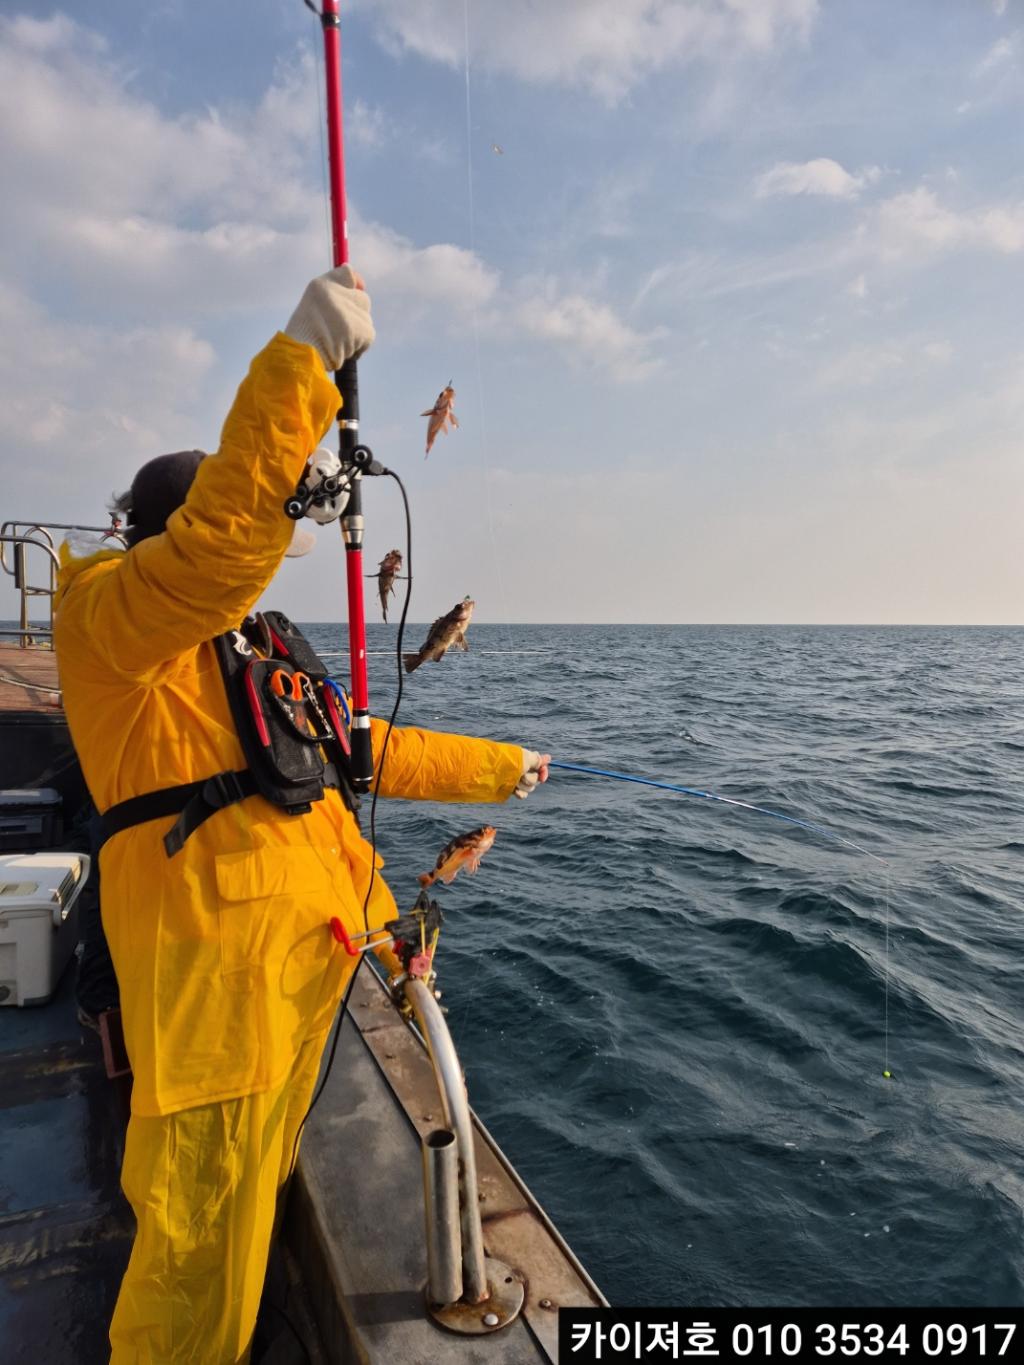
387,570
441,415
464,851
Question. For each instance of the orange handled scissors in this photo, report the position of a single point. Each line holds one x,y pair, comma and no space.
285,684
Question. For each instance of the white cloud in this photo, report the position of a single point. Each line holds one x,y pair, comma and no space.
368,125
822,176
863,366
195,216
591,332
938,352
48,35
605,46
115,397
903,232
717,274
449,281
907,223
372,128
159,227
1001,52
136,208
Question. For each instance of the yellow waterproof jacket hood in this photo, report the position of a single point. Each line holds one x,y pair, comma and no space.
223,954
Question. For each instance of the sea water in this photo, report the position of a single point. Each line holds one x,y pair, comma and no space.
675,1015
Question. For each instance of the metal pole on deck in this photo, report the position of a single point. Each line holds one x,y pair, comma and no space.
492,1293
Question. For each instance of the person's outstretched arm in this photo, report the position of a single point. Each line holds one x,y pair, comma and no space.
426,765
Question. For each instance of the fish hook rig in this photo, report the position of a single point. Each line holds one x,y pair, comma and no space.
415,938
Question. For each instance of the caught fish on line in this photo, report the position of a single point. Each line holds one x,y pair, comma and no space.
447,632
464,851
442,415
387,572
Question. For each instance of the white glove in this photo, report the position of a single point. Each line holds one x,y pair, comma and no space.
535,770
333,317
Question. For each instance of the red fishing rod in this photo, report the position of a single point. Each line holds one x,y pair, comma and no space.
356,459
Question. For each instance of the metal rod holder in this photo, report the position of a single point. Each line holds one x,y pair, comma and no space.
492,1293
455,1104
441,1205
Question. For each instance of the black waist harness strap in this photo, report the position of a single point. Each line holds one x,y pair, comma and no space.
192,803
293,741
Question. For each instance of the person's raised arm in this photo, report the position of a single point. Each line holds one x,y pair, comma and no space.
221,548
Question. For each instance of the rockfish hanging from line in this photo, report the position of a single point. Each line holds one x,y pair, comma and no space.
446,632
464,851
441,415
389,567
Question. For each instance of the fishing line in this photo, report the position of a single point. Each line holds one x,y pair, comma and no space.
339,1020
343,1008
808,825
467,999
398,698
885,1068
481,405
726,800
775,815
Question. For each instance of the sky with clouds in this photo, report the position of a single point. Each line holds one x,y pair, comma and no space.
730,290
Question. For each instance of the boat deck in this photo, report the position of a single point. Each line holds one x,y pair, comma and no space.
353,1245
35,745
28,680
65,1227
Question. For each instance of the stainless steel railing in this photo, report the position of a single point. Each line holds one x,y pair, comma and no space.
16,538
455,1107
467,1291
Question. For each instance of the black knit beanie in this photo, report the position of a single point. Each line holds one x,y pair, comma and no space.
158,489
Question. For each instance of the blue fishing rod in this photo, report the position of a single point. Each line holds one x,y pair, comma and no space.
713,796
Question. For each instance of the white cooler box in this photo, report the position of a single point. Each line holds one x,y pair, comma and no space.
38,922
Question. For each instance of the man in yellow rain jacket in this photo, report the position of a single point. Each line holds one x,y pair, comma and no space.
228,971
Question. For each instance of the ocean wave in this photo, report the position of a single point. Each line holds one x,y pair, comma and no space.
690,1006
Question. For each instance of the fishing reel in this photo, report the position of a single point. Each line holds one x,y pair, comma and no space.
326,485
324,491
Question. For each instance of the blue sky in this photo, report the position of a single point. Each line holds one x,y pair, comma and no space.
733,318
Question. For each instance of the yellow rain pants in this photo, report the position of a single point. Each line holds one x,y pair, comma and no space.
204,1185
224,956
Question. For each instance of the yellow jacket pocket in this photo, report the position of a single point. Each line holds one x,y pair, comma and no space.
265,895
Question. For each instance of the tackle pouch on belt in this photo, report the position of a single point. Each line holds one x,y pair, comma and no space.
285,713
276,714
288,721
278,636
